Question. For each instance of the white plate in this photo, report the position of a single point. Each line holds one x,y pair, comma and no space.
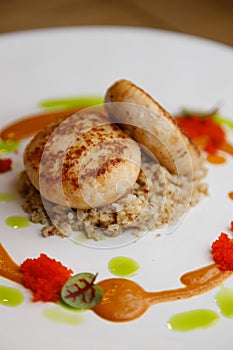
178,70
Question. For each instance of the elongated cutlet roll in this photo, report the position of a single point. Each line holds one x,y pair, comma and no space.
153,127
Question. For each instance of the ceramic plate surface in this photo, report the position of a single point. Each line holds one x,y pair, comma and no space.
179,71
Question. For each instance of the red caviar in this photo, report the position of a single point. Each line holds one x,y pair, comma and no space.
222,251
203,129
45,277
5,165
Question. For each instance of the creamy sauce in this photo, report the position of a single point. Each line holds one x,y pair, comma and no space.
8,268
125,300
215,159
230,195
29,126
227,147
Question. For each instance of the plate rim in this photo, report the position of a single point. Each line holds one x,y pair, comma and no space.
117,28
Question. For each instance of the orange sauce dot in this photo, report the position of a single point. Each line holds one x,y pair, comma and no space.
215,159
227,147
230,195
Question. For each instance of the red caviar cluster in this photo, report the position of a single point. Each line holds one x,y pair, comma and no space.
222,251
198,127
45,277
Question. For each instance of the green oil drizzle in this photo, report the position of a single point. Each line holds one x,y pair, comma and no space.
195,319
10,296
60,316
79,239
7,146
7,197
17,221
79,102
69,308
123,266
224,300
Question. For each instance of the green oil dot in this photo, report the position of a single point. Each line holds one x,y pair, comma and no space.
57,315
7,197
10,296
7,146
79,239
224,300
195,319
17,221
123,266
70,308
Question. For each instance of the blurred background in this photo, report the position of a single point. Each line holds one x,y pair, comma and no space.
212,19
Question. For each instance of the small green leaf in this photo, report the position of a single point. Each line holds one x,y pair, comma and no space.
80,292
189,112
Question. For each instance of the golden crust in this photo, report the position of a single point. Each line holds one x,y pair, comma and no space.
83,162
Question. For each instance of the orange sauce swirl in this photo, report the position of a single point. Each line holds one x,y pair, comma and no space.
125,300
29,126
215,159
230,195
8,268
227,147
